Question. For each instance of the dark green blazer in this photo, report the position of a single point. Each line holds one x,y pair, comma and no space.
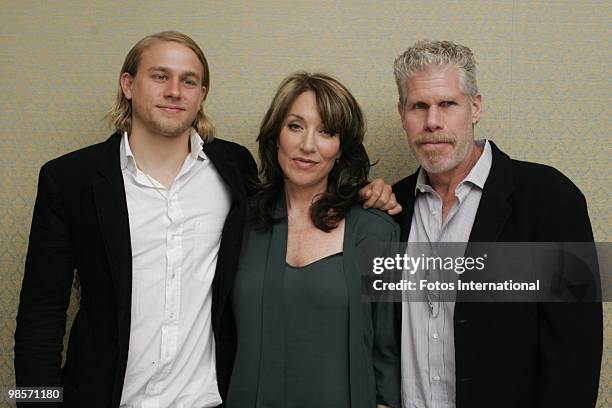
374,364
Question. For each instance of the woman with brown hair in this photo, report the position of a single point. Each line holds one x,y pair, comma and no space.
305,339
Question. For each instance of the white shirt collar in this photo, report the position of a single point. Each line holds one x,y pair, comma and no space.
197,146
479,173
126,157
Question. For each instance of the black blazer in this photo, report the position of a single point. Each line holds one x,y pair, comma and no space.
521,355
80,223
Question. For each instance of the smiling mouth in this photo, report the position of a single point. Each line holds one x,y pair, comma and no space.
304,163
171,109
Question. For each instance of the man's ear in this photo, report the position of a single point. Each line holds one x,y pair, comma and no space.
204,94
476,108
400,110
125,81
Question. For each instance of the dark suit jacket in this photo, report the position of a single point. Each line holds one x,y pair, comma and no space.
80,223
523,355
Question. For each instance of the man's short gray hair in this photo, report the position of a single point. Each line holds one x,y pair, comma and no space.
425,54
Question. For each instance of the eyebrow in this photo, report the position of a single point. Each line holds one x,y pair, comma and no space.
297,116
444,98
183,74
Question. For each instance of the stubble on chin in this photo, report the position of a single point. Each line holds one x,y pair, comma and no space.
434,160
171,129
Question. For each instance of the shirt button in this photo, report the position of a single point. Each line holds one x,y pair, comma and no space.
436,378
435,336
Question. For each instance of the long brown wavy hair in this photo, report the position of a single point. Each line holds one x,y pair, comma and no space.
340,114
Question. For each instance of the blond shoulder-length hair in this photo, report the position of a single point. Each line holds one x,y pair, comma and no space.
120,114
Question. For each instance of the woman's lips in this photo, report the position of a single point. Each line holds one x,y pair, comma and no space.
304,163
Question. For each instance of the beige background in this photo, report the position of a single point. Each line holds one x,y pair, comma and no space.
543,72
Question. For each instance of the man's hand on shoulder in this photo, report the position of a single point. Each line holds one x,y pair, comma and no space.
379,195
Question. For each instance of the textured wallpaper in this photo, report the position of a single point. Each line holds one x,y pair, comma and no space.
543,72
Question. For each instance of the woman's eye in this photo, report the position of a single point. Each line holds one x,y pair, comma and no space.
294,126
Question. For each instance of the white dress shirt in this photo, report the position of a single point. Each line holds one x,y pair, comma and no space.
175,236
428,343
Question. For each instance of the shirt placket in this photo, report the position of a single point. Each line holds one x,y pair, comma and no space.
436,357
434,230
170,327
435,327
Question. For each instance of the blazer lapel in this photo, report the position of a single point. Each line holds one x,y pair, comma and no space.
404,193
233,228
491,217
111,207
494,208
493,211
273,333
353,278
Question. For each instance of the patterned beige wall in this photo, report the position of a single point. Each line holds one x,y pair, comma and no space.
543,70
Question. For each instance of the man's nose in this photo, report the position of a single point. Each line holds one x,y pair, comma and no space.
173,88
434,119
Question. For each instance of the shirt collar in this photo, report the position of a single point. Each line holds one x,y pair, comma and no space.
479,173
126,157
197,146
477,176
422,184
